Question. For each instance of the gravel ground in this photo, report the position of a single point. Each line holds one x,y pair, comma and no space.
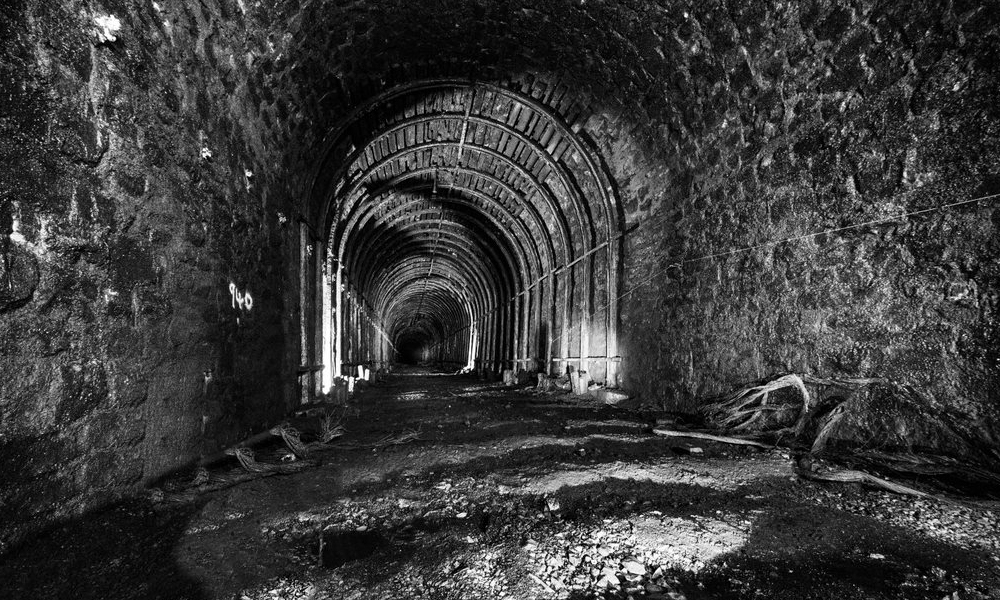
507,494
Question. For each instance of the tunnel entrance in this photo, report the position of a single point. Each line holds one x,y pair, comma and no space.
473,216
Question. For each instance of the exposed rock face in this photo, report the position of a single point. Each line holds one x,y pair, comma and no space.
152,164
18,278
817,119
114,303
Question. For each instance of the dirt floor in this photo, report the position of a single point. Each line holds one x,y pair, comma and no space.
508,494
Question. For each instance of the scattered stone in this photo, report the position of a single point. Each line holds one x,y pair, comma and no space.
634,567
610,397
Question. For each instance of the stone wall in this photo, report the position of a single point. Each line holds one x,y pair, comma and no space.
728,125
809,118
137,183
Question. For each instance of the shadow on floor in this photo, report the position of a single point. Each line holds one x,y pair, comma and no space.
791,550
123,552
751,545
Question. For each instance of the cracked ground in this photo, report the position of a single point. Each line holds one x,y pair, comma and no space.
507,493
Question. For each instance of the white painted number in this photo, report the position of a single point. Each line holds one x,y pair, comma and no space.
239,299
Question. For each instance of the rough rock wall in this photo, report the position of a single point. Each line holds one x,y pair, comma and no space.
137,183
730,124
811,117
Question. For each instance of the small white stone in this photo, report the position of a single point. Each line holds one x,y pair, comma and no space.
108,27
635,568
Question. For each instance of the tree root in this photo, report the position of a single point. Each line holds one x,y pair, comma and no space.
849,476
221,482
739,410
811,424
393,439
712,437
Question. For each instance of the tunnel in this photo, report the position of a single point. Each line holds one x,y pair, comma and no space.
468,224
665,298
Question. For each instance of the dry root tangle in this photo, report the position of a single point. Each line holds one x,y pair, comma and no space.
811,421
246,458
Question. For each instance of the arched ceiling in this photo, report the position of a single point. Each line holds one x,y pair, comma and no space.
445,198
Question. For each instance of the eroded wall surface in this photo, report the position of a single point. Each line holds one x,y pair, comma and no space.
137,183
813,118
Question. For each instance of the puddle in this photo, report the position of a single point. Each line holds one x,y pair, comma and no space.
341,547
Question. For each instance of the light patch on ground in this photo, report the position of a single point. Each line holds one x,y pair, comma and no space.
688,543
719,476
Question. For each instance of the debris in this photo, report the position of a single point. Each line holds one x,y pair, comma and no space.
610,397
201,476
541,583
604,423
744,409
330,428
292,439
638,539
608,579
848,476
108,27
393,439
247,461
580,381
634,567
725,439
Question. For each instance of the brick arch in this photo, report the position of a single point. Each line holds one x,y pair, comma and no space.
515,191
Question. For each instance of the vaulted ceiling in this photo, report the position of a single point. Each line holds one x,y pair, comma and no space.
446,198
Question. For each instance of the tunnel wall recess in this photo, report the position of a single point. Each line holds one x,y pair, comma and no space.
210,209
